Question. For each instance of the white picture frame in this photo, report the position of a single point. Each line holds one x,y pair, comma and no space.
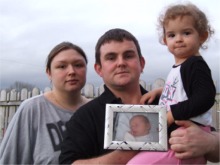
117,123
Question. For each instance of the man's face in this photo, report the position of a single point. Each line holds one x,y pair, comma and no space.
120,63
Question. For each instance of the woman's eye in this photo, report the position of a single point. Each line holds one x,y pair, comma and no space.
61,66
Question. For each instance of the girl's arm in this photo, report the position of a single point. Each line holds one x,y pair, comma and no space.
151,96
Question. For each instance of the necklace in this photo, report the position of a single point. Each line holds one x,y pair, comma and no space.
71,108
59,103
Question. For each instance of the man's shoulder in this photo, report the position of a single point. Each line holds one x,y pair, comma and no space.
91,106
91,103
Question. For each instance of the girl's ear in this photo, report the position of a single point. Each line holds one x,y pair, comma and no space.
164,40
203,37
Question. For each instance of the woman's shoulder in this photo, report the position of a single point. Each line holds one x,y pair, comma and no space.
30,104
28,107
34,100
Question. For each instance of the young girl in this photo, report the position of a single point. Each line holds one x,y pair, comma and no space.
189,92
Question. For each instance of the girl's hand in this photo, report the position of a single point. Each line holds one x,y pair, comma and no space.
150,96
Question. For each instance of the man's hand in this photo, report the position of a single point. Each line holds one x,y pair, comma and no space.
191,141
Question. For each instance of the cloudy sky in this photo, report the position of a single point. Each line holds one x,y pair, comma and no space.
29,29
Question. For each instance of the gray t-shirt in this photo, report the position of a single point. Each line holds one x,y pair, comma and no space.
34,133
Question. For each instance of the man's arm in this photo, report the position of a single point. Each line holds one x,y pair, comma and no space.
193,142
115,157
213,154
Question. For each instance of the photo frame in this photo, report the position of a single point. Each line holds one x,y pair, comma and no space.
120,133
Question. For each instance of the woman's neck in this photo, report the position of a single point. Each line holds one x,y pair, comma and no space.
69,101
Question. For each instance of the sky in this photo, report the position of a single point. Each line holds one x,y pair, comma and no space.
29,29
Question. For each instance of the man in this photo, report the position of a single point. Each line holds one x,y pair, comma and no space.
119,62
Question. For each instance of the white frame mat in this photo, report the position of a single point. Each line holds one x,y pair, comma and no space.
113,109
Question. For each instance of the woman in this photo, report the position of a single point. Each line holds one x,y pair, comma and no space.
37,128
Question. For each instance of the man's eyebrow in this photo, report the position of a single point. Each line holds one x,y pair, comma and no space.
110,53
114,53
129,51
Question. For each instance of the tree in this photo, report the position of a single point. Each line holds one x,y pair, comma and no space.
18,85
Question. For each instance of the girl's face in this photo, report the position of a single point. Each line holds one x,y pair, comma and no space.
68,71
182,39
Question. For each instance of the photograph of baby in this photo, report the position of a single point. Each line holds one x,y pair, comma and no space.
136,127
139,129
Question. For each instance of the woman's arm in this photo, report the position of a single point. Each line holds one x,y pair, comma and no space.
16,146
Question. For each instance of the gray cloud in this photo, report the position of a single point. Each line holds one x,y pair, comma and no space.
30,29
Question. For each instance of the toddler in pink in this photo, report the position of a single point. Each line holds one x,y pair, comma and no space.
189,91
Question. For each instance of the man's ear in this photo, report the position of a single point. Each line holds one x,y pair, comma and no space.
98,69
142,61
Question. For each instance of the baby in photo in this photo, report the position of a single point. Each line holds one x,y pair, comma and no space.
139,129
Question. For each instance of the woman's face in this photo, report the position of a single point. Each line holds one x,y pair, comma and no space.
68,71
